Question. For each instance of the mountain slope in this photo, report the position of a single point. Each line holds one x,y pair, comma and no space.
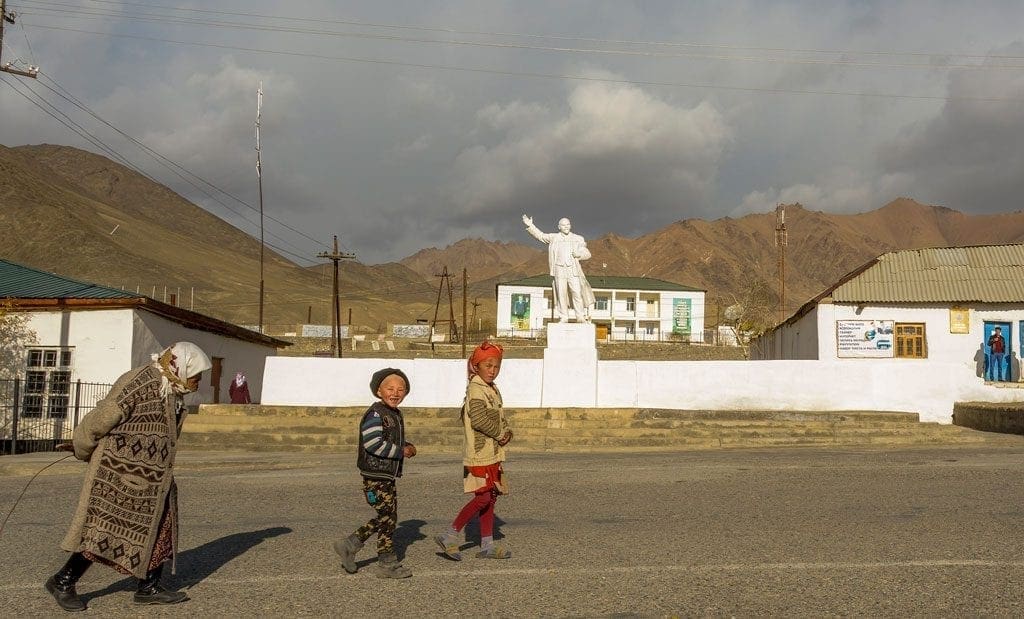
59,207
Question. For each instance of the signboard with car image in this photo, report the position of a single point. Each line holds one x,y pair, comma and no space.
864,338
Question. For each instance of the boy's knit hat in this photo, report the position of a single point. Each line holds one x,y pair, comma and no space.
380,375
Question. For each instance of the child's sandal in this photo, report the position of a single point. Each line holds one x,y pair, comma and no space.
494,552
451,551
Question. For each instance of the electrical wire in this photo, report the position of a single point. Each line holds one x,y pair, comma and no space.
99,143
552,37
175,168
511,73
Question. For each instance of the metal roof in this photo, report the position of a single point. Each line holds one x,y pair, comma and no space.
34,290
22,282
609,282
986,274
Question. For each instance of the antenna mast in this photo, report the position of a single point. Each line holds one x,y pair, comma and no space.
259,175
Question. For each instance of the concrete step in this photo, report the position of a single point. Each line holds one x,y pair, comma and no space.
440,429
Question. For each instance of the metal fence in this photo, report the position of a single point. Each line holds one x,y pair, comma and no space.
35,418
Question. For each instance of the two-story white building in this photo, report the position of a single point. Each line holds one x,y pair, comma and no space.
625,309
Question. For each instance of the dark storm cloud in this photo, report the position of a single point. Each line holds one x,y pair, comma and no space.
969,156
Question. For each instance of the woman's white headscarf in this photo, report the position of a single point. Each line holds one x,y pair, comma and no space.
177,364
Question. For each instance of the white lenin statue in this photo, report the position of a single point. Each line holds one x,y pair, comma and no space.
565,250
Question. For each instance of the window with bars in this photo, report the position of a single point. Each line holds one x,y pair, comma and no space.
630,304
47,382
910,340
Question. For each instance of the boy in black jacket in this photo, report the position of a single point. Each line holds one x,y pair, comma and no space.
382,450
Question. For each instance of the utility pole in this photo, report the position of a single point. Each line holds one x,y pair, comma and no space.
32,71
465,285
453,331
336,257
476,304
781,240
259,175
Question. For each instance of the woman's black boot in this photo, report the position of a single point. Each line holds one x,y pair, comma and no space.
152,592
62,584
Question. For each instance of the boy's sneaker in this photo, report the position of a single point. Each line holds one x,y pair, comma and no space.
494,552
347,549
389,567
450,549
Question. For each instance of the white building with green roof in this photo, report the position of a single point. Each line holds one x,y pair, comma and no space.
93,334
627,308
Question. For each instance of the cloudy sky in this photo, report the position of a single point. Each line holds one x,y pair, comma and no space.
416,123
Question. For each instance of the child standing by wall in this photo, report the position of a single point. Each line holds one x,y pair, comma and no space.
382,451
486,433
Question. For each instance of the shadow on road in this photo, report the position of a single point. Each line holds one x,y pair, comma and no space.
197,564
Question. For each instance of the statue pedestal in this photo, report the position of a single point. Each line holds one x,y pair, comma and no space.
570,365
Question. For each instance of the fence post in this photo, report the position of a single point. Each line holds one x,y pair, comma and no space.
14,416
78,401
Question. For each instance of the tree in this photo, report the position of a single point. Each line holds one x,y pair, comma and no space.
752,312
15,337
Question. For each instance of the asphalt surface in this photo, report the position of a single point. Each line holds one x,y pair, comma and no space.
785,532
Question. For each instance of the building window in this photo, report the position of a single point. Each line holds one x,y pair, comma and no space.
649,329
601,303
910,340
47,382
630,330
630,304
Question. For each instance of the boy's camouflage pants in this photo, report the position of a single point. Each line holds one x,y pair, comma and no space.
383,497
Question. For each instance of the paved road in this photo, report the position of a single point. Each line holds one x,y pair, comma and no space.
785,532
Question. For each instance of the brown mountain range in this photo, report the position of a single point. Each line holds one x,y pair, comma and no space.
59,207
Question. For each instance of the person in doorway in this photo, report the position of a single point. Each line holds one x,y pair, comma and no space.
127,516
997,352
382,452
565,251
239,390
486,433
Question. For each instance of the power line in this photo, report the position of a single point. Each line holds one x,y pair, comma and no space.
53,111
175,167
581,78
157,18
68,122
552,37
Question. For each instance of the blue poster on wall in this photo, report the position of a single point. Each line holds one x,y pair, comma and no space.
520,311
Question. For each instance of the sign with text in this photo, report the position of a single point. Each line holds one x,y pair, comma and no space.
959,320
864,338
682,313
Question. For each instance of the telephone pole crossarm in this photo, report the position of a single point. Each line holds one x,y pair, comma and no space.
8,67
336,257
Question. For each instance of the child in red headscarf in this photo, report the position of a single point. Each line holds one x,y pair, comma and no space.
486,434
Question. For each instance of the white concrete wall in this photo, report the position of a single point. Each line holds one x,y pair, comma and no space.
154,333
101,340
929,388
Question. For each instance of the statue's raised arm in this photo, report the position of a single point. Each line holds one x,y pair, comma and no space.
527,220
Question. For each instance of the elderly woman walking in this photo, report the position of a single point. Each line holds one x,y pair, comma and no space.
127,516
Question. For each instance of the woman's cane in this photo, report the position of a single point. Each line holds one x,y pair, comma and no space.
61,447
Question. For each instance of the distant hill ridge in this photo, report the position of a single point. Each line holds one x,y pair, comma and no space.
59,205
